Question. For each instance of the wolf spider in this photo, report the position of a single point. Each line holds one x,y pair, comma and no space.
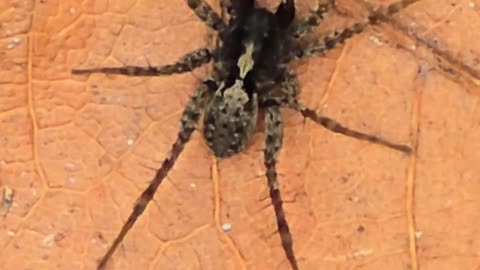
250,73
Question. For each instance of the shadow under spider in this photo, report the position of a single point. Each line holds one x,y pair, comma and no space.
250,73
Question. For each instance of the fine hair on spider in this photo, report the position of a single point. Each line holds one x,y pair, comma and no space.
249,74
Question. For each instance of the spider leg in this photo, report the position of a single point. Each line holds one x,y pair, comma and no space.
227,7
236,7
186,63
330,40
382,13
206,13
289,98
336,127
189,121
313,19
273,144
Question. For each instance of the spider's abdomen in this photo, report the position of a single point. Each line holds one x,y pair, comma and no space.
230,120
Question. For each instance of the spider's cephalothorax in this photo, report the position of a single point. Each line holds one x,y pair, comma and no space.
247,68
250,73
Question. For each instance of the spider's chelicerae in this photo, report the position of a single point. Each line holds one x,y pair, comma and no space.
250,74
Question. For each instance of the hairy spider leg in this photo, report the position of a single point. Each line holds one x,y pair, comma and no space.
313,19
331,40
189,121
206,13
227,8
290,90
186,63
336,127
382,13
235,8
273,144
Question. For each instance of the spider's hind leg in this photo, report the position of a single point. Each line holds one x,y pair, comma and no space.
186,63
206,13
189,120
273,144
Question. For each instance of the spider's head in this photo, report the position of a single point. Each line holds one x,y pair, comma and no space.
258,26
258,29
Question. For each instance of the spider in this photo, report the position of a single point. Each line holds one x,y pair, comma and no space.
249,74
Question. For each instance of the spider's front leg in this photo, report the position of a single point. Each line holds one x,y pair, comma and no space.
206,13
237,8
186,63
273,144
330,40
312,20
290,90
189,121
382,13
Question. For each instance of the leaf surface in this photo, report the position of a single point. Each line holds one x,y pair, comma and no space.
77,151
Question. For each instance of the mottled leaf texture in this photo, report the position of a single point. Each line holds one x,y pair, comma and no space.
76,151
